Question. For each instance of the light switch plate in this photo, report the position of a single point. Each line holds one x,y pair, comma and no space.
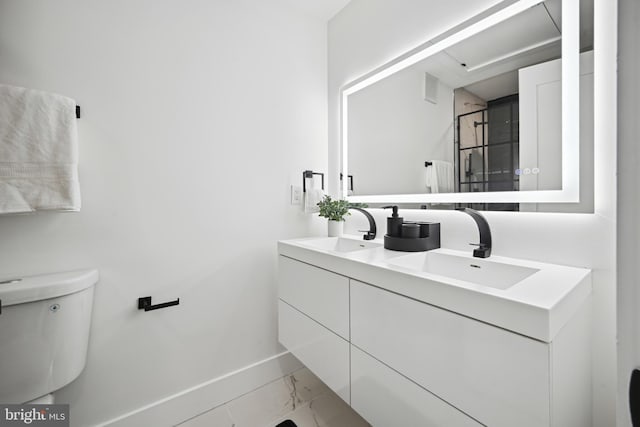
296,195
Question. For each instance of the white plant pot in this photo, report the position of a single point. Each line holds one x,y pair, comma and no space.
335,228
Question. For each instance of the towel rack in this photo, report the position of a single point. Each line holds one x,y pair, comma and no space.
309,174
427,164
77,111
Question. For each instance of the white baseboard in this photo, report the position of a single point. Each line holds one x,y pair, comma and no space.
188,403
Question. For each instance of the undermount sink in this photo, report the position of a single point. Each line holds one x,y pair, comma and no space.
340,244
473,270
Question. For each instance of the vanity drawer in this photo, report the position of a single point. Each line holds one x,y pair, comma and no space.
386,398
495,376
319,349
318,293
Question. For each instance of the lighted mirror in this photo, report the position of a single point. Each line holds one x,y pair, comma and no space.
488,112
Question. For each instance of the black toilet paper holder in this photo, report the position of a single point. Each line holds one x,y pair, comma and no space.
144,303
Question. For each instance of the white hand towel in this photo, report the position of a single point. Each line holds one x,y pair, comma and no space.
439,178
311,199
38,151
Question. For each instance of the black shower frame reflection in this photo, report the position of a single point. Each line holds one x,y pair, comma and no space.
491,179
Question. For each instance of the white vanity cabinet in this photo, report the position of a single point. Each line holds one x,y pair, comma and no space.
386,398
496,376
313,318
399,360
320,294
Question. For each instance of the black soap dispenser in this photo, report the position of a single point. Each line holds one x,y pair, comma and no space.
394,222
410,236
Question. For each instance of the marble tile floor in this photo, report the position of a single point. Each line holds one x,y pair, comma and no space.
300,397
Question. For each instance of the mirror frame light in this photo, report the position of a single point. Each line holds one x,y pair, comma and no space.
570,192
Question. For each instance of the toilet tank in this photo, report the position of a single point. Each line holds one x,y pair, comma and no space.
44,332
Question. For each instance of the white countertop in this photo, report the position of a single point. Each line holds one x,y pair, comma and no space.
537,307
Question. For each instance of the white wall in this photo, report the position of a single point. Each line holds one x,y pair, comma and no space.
366,34
628,200
196,117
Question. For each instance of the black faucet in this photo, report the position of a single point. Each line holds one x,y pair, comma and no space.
371,234
484,247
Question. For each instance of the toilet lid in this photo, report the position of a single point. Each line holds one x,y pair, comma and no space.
18,290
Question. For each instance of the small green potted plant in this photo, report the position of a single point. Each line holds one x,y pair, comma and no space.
335,211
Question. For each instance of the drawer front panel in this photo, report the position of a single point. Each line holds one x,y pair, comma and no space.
322,351
495,376
385,398
320,294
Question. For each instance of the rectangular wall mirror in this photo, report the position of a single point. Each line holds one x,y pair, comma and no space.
487,113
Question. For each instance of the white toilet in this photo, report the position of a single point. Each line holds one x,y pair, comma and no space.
44,332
